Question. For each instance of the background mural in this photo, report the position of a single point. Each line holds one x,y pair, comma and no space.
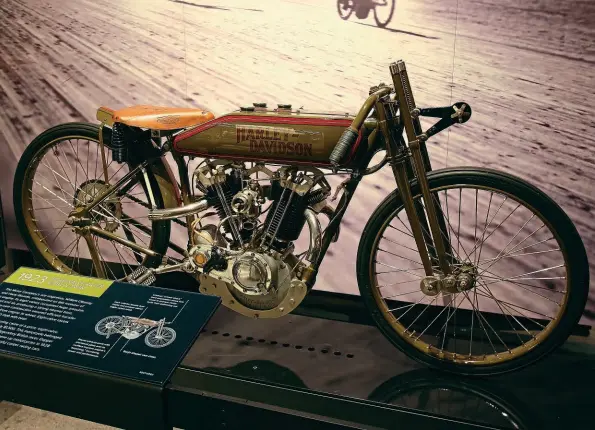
527,71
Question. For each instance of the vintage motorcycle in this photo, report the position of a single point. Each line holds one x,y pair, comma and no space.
157,334
466,269
383,10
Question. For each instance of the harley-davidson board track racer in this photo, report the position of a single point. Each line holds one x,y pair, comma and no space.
466,269
131,328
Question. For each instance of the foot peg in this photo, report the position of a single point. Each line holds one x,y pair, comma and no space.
141,276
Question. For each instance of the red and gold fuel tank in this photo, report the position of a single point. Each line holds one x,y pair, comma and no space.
256,133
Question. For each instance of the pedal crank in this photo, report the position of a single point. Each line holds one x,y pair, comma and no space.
141,276
145,276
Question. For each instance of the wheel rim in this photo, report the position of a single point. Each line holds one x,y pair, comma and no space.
523,322
58,178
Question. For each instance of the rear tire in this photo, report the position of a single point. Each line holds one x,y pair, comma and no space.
28,217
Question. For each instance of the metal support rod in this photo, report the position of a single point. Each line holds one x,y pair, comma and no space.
413,131
109,236
397,162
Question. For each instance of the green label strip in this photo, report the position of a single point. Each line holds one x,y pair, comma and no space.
57,281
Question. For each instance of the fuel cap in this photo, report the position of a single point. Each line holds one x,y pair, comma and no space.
260,105
247,109
280,106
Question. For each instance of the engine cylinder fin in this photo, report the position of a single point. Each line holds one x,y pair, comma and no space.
220,196
286,219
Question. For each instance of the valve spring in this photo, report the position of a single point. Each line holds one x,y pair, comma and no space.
229,188
119,147
276,216
316,196
407,91
286,217
219,205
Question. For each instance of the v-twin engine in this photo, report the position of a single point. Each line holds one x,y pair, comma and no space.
247,258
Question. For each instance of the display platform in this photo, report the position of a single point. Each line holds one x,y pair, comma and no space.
323,368
355,361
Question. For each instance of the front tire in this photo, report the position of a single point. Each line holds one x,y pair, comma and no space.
383,14
524,334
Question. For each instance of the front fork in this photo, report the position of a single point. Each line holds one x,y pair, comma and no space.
432,249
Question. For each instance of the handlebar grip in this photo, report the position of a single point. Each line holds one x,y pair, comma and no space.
345,143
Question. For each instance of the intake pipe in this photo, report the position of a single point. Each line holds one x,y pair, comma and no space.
315,234
179,212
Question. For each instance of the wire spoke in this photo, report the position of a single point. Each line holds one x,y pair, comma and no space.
498,279
420,314
521,255
400,256
481,317
512,315
402,294
484,294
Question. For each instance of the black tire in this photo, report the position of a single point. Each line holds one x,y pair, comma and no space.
383,24
160,229
343,13
568,239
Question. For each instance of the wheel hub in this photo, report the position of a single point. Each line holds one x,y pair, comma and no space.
464,278
108,213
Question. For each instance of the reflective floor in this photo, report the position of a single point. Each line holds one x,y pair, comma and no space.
356,361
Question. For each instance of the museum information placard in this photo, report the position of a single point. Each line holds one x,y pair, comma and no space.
113,327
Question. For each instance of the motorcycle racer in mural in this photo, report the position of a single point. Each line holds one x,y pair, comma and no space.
383,10
467,269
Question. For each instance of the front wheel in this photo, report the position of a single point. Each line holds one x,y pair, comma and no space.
155,340
383,12
520,274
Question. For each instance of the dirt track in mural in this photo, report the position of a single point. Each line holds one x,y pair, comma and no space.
526,71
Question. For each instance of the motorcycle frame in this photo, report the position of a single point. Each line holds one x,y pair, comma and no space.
409,161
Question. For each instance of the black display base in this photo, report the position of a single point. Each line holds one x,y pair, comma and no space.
350,372
87,395
324,367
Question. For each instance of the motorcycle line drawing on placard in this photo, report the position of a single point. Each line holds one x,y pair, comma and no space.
158,335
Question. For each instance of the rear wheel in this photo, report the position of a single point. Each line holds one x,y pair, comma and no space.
520,281
109,325
62,170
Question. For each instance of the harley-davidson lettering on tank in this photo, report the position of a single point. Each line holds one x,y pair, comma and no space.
278,140
267,136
